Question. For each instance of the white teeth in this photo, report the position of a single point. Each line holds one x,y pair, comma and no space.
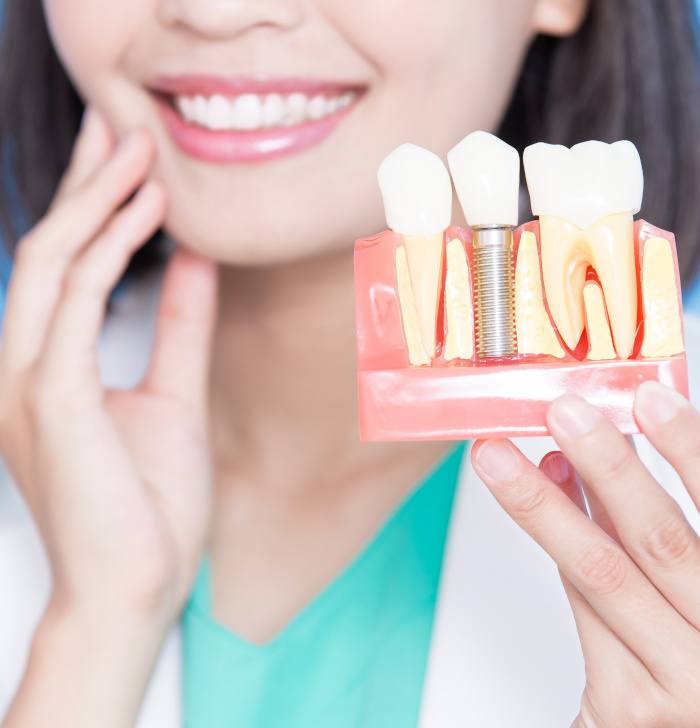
317,107
248,112
416,189
584,183
486,173
273,110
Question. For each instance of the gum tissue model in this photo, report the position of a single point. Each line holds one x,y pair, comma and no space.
473,332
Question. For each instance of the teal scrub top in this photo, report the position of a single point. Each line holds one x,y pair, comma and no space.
354,657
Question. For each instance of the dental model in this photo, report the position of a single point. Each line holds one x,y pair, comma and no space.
486,173
417,195
474,332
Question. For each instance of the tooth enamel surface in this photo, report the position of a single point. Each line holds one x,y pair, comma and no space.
416,190
534,329
486,173
586,197
459,341
409,314
663,332
582,184
417,194
248,112
600,344
607,246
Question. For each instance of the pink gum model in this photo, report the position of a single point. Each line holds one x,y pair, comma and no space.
466,399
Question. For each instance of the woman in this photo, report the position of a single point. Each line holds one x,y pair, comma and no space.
225,463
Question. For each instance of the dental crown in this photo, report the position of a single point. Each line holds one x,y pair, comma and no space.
486,173
584,183
416,190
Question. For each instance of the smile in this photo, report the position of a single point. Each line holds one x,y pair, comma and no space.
250,120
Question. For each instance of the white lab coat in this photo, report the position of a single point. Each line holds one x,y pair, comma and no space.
504,653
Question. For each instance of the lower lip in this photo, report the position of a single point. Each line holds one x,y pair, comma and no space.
247,146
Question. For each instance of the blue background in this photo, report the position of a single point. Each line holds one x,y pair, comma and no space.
691,297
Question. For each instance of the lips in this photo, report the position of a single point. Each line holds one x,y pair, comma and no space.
249,119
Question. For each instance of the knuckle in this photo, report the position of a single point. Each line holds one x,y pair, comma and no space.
614,463
527,500
602,568
84,281
670,542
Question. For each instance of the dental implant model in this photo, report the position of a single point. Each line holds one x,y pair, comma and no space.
473,332
486,173
417,196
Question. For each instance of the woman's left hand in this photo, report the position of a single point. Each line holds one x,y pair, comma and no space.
632,569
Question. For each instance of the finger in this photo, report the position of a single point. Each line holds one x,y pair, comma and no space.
93,146
598,567
650,524
558,469
70,355
602,649
672,425
605,654
186,317
44,255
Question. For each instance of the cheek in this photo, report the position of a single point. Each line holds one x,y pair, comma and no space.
444,67
92,37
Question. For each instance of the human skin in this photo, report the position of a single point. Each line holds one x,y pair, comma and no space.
254,422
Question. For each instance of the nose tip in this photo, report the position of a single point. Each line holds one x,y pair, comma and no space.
229,18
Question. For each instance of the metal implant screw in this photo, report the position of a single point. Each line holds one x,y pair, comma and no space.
494,294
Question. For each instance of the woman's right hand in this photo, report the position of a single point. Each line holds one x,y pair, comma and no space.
118,481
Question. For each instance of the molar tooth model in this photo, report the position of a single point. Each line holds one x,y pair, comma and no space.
474,332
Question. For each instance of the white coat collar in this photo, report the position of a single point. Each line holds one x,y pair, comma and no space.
504,651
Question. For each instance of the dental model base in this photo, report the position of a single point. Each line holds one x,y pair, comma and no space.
588,298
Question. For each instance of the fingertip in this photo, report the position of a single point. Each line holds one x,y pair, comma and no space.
556,467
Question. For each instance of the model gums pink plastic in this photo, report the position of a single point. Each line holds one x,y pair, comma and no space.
473,332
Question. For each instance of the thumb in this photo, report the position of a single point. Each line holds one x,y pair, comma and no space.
179,366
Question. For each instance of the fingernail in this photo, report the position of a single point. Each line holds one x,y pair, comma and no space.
498,460
556,467
573,416
656,404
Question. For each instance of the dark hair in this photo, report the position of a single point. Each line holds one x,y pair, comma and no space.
630,72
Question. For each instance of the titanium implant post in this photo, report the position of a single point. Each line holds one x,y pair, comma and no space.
494,291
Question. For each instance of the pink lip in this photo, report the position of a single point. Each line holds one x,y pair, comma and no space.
245,146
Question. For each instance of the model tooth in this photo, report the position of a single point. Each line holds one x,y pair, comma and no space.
586,197
600,343
459,339
534,329
663,329
417,196
409,313
486,174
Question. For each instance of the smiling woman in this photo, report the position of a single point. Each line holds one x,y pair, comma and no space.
193,469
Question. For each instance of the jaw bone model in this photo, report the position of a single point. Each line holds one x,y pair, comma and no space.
578,275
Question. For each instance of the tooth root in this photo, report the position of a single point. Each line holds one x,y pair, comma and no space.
600,343
564,267
424,255
663,332
459,340
409,314
612,248
607,246
534,329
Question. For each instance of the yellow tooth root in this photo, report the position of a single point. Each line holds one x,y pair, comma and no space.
600,343
459,311
608,246
409,314
424,258
532,324
663,332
